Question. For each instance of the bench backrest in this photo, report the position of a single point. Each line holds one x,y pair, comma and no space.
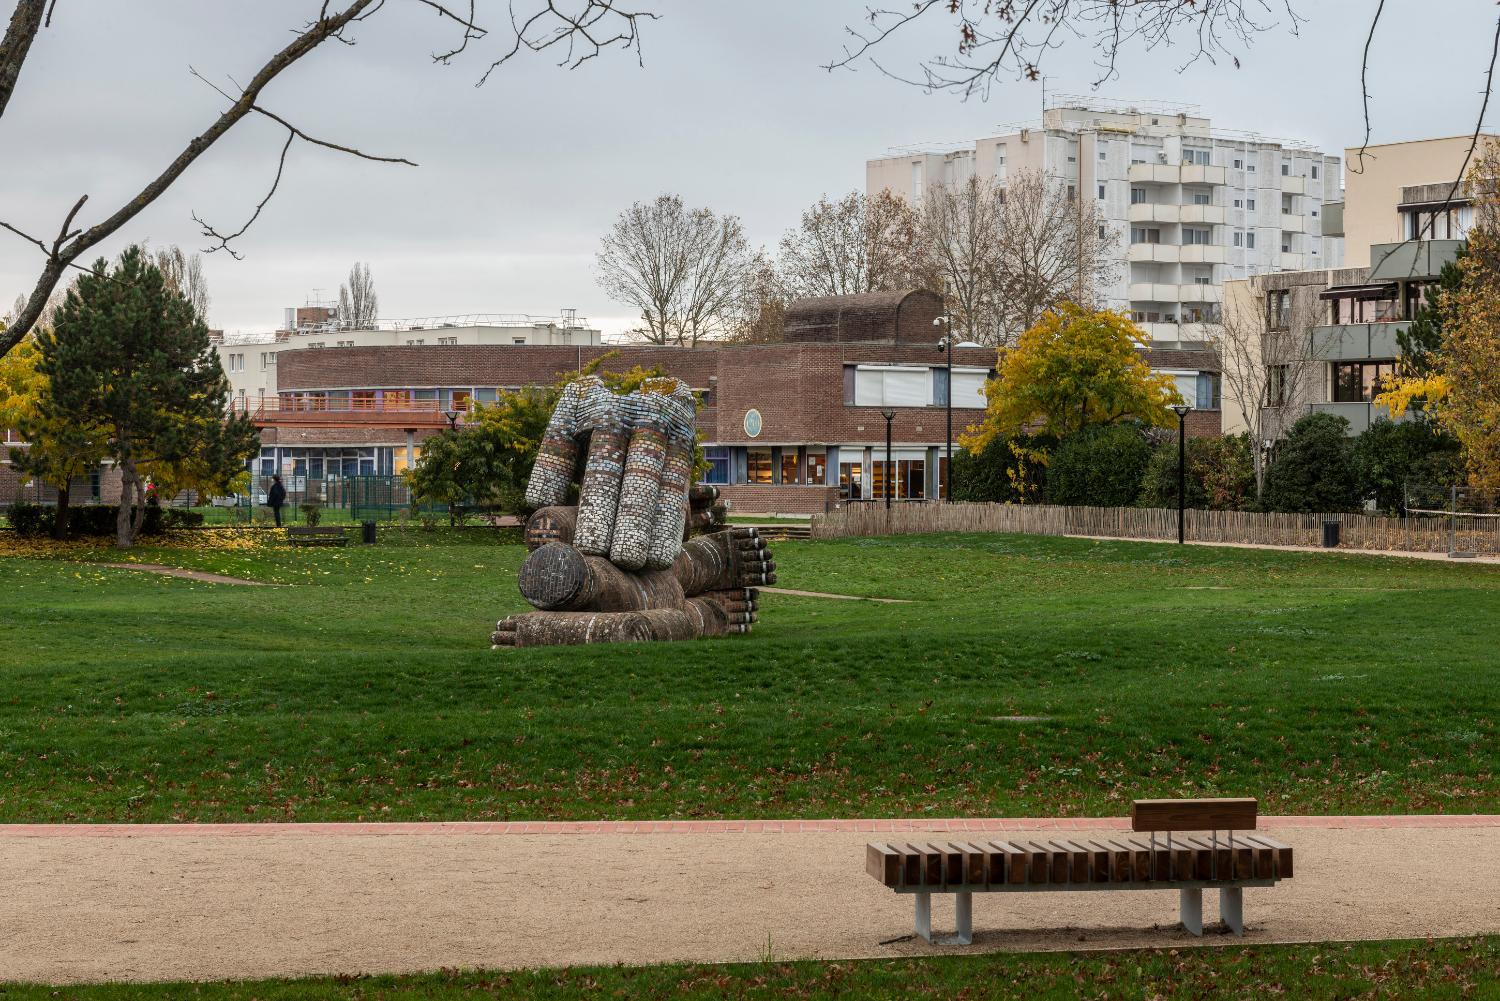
1193,815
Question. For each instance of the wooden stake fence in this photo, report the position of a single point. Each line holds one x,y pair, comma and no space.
1434,534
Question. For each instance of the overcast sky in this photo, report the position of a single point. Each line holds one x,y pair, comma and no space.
518,179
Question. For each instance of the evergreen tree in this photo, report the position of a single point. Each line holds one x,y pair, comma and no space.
1314,469
129,354
1423,337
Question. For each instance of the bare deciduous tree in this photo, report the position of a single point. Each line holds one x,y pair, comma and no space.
184,273
961,245
1054,248
690,272
1265,358
577,31
359,307
853,245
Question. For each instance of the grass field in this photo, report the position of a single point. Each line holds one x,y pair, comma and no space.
1028,676
1433,971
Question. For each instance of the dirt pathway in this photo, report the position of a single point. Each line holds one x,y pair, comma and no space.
203,906
838,597
198,575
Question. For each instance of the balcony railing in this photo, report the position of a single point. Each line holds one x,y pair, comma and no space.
388,404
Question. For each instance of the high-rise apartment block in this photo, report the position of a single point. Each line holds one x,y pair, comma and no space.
1191,206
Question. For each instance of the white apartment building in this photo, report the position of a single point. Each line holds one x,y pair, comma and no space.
1191,207
249,360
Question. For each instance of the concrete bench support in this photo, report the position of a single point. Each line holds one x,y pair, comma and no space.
1190,909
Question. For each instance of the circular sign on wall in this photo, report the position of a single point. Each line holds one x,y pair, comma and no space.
753,423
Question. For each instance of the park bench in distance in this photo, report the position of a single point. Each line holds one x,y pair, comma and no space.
299,535
1213,856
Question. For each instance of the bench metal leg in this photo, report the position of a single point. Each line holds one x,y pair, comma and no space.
1232,908
963,912
924,915
1190,909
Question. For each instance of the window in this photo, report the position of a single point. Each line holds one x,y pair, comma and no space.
1201,198
1239,239
320,344
1103,233
1360,381
817,468
1208,391
881,386
1286,204
1239,204
448,340
485,395
1250,167
718,465
412,342
1286,169
757,465
1142,234
1195,237
1137,196
1072,159
968,388
1101,154
1314,172
1101,192
789,466
1277,377
267,359
1238,163
1072,192
1199,157
1250,241
518,340
1278,310
851,480
345,344
1250,204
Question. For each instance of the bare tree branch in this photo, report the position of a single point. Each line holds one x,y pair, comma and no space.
223,240
549,27
24,25
1364,86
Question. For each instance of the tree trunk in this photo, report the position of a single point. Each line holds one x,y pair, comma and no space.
60,523
125,520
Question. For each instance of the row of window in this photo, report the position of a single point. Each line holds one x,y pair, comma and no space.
912,386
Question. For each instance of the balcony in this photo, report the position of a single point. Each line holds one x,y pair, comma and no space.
1294,185
1291,223
1186,334
1153,212
1152,253
1195,174
316,411
1154,173
1412,259
1202,253
1289,261
1357,341
1148,292
1212,215
1359,415
1200,293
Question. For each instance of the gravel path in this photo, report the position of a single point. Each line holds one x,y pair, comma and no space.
204,906
198,575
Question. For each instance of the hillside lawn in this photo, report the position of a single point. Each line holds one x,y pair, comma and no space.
1027,677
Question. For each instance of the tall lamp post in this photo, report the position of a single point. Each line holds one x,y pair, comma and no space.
889,478
945,345
1181,409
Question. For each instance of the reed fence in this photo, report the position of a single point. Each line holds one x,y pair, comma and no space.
1434,533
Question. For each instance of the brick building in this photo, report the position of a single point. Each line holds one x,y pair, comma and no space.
793,427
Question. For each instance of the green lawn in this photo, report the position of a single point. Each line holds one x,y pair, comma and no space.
1432,971
366,688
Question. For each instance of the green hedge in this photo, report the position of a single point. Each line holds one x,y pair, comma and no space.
1099,467
96,520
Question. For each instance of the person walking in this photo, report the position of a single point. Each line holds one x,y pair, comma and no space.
276,497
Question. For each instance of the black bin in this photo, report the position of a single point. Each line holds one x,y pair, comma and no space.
1330,535
367,533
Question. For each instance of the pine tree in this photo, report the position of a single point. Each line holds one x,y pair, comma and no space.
128,353
1423,338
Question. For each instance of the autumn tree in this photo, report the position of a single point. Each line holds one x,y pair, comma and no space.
359,307
1074,369
184,274
690,272
131,355
961,245
856,244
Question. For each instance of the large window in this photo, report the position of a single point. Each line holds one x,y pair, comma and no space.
789,466
910,481
1208,389
1360,381
817,468
758,465
1192,236
1278,310
1277,384
1144,234
718,465
851,480
876,386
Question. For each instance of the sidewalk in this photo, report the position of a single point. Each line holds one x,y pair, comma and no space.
238,901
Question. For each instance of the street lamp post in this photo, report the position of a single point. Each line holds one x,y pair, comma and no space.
946,347
889,477
1181,409
452,416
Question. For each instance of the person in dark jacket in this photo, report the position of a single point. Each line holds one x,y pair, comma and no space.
276,497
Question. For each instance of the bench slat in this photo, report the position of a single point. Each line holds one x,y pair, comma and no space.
932,865
1007,863
883,863
1283,854
911,865
953,865
976,871
1193,814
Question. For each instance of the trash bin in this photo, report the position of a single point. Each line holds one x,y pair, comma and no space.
368,533
1330,535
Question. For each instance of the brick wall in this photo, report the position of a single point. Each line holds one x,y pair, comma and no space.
779,498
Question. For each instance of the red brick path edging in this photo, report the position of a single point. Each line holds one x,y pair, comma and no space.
908,825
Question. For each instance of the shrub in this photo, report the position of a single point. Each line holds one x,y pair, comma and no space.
998,474
1313,468
94,520
1390,456
31,519
1099,466
312,513
1220,474
180,517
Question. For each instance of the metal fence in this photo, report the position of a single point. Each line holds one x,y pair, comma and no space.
339,500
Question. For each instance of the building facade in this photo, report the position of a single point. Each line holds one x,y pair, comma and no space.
1191,207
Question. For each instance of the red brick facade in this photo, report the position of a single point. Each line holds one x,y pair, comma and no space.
780,498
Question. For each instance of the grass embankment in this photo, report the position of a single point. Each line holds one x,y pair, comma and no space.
1029,676
1433,971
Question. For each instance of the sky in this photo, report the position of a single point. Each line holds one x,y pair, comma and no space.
517,180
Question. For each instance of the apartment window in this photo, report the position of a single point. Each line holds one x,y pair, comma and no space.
1239,203
448,340
718,465
1314,172
1360,381
757,465
1101,154
1286,169
1192,236
1202,280
267,359
1286,246
1201,198
1238,163
1250,167
1286,203
321,344
1142,234
1072,192
1199,157
1137,196
1101,192
1250,204
1249,241
412,342
1239,239
1278,310
1277,377
1072,159
1103,234
1209,385
345,344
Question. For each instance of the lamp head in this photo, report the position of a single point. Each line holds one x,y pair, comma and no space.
1181,409
889,415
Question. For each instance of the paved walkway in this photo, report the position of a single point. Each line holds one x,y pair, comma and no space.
243,901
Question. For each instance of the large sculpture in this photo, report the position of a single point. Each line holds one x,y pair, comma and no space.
615,568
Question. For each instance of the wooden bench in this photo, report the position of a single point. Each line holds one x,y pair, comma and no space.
1206,853
304,536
